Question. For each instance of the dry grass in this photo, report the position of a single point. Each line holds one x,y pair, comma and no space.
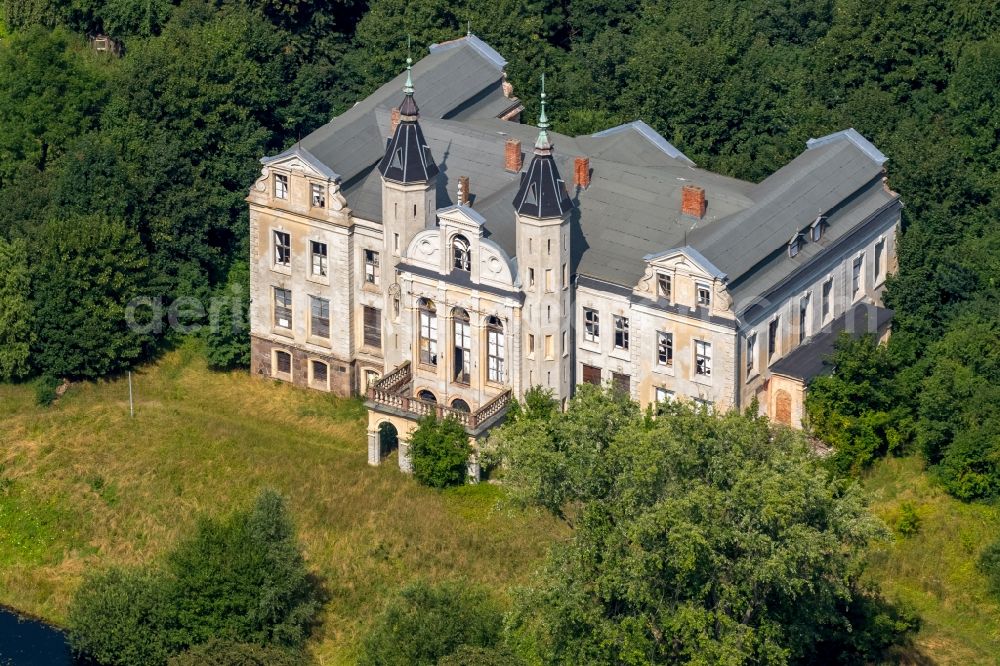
83,485
935,569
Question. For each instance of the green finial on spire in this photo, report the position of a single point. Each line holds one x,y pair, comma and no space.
543,121
408,88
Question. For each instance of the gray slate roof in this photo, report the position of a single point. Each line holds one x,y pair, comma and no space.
632,207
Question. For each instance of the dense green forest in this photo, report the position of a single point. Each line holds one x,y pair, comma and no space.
124,177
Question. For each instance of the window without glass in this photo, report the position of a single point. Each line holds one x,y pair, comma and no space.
316,196
704,295
772,337
751,353
318,258
371,267
462,370
373,327
428,332
280,186
282,308
702,358
663,285
531,277
565,276
496,350
461,256
664,348
319,324
621,332
879,259
282,248
856,275
531,345
591,325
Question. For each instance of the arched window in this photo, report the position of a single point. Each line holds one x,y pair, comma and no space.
461,256
496,350
427,344
427,396
462,371
460,405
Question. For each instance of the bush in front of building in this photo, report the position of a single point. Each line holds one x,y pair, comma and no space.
439,451
427,622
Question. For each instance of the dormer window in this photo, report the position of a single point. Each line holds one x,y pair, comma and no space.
704,294
663,286
317,197
816,230
280,186
794,245
461,256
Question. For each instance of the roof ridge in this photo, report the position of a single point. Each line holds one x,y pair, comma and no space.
855,137
477,45
651,135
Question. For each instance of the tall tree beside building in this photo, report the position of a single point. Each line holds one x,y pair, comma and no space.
16,325
695,538
86,271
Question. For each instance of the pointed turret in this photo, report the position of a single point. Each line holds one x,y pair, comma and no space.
542,193
407,158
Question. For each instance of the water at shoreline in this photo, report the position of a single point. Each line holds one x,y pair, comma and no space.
27,642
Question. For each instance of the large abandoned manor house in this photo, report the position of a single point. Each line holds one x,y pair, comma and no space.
429,250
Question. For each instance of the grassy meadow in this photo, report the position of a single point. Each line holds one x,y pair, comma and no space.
83,485
935,569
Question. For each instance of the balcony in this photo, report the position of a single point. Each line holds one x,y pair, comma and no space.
393,394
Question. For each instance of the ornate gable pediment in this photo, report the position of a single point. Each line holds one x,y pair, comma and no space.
301,160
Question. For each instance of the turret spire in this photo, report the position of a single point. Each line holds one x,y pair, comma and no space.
543,124
408,88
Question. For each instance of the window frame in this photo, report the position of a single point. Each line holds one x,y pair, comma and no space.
372,326
665,286
282,187
373,271
317,322
591,325
276,360
282,305
461,336
317,196
496,351
322,255
621,328
665,349
282,244
751,353
700,287
773,338
702,358
858,276
427,332
461,253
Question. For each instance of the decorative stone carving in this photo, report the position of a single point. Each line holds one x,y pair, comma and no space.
261,184
647,280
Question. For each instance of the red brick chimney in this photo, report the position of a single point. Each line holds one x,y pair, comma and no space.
512,155
693,201
463,190
395,118
581,172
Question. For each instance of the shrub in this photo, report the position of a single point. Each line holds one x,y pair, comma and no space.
427,622
241,579
120,616
909,521
229,653
439,450
45,390
468,655
989,565
244,579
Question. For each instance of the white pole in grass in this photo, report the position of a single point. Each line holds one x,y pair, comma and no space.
131,408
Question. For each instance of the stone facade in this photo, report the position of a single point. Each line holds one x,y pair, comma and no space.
456,308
